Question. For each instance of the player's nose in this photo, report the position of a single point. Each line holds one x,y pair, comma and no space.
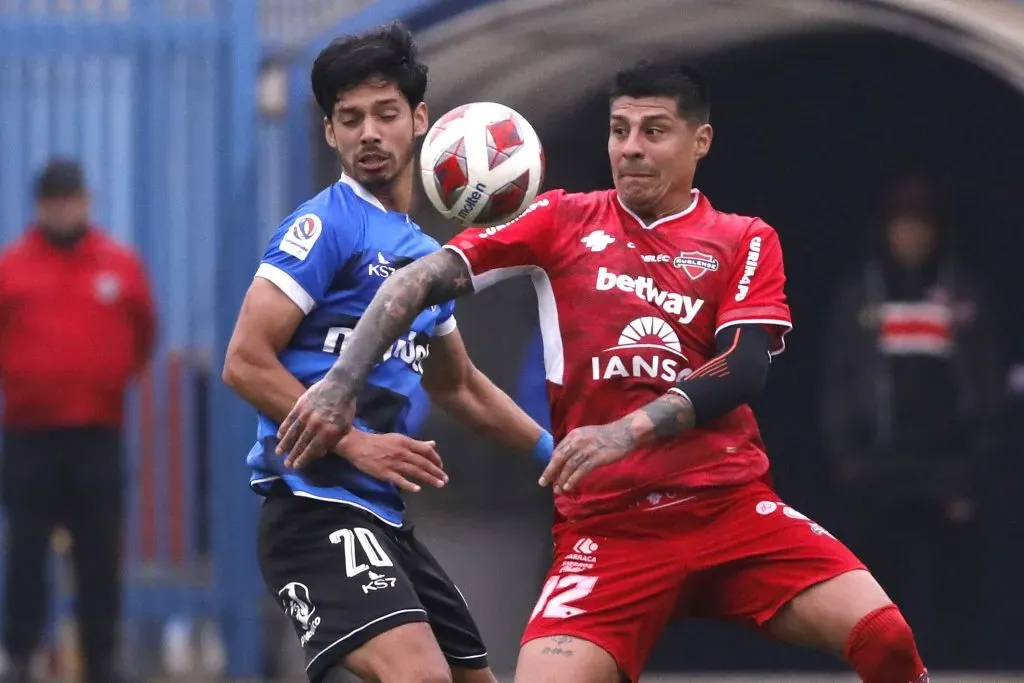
632,148
371,133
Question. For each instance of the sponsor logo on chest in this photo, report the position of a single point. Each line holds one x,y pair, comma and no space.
647,348
683,307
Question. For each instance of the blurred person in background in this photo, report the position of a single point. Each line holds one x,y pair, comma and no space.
912,393
76,324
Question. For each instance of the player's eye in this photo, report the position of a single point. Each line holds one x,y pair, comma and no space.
389,116
652,131
619,131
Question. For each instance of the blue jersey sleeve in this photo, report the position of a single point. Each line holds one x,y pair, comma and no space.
445,319
307,251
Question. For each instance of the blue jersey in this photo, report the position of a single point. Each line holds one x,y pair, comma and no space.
330,257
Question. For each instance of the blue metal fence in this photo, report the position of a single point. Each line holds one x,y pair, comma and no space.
156,100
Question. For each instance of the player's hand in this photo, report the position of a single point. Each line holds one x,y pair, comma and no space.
317,422
396,458
585,449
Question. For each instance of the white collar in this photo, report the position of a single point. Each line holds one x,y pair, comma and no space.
361,191
695,193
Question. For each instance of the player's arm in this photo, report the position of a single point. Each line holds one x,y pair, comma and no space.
432,280
734,377
298,266
751,322
267,321
463,392
474,259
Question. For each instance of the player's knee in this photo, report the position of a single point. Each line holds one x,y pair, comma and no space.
882,649
885,631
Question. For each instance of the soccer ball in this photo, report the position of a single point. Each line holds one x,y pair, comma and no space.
482,164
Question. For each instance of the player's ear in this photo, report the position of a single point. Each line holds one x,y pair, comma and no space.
420,119
702,140
329,134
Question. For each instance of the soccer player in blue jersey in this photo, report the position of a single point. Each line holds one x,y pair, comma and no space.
334,545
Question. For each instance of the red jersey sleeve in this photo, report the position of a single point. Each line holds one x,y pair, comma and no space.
756,292
497,253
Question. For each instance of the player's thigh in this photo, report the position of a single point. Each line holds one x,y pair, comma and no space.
823,615
603,606
403,654
450,618
566,659
335,572
768,565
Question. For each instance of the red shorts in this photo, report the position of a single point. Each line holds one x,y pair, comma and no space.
738,554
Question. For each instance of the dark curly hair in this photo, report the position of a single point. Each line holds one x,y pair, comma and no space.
388,52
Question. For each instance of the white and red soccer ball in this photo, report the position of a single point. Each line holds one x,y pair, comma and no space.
482,164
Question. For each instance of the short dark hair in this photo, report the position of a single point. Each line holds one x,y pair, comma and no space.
60,179
685,83
388,52
913,196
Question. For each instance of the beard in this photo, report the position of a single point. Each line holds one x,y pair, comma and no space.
381,180
64,236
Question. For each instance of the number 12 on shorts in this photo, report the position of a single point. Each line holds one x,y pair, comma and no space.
560,592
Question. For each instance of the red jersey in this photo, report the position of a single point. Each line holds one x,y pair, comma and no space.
627,309
75,325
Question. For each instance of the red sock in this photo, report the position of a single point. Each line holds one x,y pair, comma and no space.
881,649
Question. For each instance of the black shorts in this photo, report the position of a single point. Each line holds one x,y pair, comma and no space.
344,576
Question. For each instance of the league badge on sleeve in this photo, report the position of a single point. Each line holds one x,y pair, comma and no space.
301,236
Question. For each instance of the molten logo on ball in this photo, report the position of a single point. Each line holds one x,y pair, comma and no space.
472,200
482,164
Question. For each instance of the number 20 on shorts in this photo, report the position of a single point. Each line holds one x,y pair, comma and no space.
559,593
371,547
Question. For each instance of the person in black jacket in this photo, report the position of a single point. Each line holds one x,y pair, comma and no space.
911,410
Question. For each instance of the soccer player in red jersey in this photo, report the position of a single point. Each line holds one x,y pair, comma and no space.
660,316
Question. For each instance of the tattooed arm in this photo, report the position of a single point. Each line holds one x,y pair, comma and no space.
433,279
732,378
325,412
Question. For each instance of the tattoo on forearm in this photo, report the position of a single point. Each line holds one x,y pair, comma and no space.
431,280
558,645
670,414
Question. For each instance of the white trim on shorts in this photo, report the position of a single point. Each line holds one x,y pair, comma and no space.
365,626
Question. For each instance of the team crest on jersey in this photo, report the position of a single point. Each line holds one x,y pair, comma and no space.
107,287
695,263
